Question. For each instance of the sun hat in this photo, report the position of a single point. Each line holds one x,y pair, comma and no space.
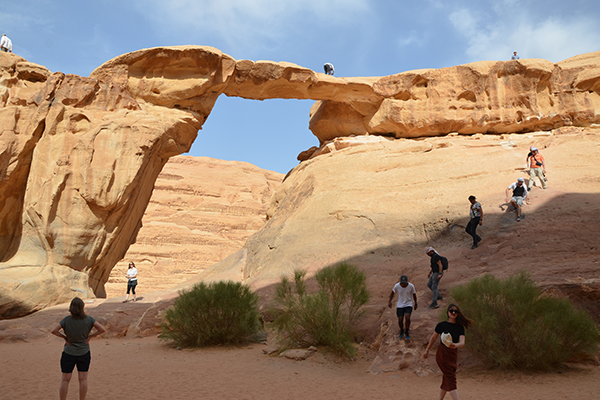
533,148
428,249
446,339
521,180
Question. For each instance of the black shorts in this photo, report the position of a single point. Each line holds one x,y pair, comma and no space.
404,310
68,362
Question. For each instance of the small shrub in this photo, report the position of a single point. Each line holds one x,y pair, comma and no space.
213,314
326,317
517,328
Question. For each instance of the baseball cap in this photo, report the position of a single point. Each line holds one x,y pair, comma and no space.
521,180
428,249
404,279
533,148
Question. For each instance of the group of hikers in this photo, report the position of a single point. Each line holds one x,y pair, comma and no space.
452,331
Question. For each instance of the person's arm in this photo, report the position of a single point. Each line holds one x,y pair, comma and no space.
99,331
507,194
431,342
414,295
390,300
56,332
481,215
544,165
441,269
461,343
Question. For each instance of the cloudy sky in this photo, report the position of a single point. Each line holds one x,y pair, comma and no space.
360,37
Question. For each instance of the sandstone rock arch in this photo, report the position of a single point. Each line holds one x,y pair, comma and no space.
79,155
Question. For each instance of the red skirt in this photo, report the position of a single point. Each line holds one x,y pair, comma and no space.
447,359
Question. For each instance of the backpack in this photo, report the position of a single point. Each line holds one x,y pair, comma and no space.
444,261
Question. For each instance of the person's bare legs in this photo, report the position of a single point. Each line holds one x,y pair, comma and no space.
407,321
453,393
517,207
64,386
83,385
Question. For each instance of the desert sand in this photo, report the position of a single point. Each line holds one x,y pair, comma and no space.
147,369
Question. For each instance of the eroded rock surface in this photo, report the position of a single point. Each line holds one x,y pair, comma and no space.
79,156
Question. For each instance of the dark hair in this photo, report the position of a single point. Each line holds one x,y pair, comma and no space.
461,319
76,308
472,197
130,264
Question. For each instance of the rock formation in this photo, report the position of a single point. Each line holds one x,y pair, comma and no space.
201,211
80,156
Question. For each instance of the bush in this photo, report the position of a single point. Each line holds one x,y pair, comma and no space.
517,328
217,313
325,318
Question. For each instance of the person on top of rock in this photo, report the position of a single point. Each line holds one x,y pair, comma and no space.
407,297
519,194
537,167
131,275
514,56
329,70
436,273
5,44
76,328
476,219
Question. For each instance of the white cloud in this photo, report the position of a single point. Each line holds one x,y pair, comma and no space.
244,22
553,38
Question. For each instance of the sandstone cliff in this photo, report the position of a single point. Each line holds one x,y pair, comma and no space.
80,155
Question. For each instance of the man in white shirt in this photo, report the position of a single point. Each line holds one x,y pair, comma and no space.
5,44
407,296
329,70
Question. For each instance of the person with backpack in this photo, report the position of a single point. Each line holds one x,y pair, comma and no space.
438,265
328,67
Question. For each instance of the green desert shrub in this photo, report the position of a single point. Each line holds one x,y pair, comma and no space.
518,328
213,314
325,317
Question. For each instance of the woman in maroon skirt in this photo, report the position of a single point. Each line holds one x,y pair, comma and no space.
447,353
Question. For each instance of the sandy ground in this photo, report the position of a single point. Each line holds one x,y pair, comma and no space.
147,369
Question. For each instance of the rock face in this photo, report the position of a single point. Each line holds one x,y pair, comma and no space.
79,156
201,211
378,202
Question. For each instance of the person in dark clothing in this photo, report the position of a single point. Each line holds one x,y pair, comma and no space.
76,328
434,276
452,334
476,215
328,67
519,194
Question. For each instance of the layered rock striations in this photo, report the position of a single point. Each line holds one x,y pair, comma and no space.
79,156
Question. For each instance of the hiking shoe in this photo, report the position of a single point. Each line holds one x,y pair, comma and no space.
478,239
474,246
518,219
433,306
407,337
401,336
440,298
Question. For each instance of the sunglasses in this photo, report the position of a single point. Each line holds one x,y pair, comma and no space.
453,311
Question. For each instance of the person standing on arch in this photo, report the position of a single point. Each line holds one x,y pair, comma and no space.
329,70
6,44
514,56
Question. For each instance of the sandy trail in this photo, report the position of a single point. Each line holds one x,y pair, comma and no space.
146,369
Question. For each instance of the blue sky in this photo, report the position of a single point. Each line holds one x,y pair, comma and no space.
360,37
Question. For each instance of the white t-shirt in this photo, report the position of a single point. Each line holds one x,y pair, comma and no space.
132,272
6,43
404,294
